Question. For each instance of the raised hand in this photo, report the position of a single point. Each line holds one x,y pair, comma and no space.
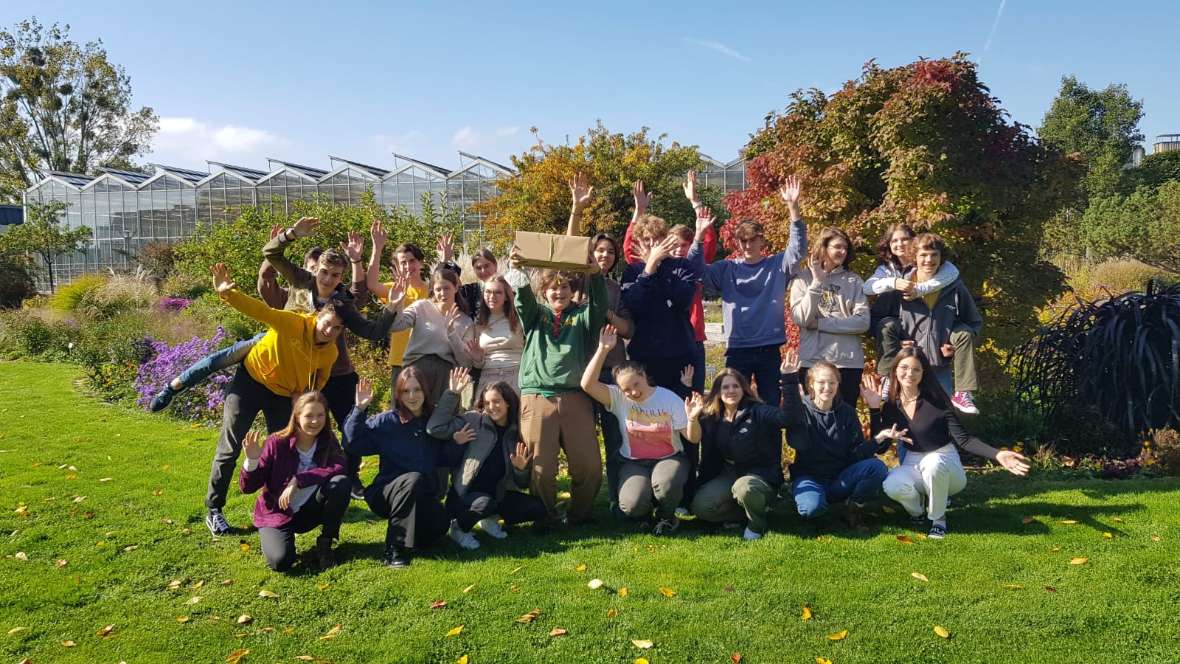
690,188
790,363
355,247
522,457
639,250
460,378
663,249
287,494
686,375
693,405
453,315
947,349
221,279
870,390
1013,462
473,348
818,272
251,445
364,393
580,190
608,337
445,248
305,226
705,221
893,433
790,191
275,230
378,234
641,196
464,435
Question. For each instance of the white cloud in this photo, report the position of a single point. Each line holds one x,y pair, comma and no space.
991,35
718,47
185,141
466,138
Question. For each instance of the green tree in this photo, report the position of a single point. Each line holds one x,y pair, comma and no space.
538,199
926,144
1153,171
63,107
1101,125
42,235
1144,225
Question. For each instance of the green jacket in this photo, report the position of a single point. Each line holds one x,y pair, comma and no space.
555,353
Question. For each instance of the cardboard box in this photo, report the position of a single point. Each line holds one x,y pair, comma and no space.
558,252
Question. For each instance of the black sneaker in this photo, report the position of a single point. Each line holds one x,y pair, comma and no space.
216,523
357,488
937,530
396,557
325,558
665,526
163,398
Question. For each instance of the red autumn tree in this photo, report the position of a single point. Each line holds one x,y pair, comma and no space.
926,144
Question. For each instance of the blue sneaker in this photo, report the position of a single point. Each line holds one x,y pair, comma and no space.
163,398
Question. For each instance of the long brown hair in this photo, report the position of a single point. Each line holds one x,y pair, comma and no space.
819,250
508,395
404,377
326,438
446,274
713,405
484,314
884,253
929,389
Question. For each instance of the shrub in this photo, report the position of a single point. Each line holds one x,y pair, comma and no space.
16,282
209,310
36,335
158,258
165,362
110,352
188,286
1165,451
70,297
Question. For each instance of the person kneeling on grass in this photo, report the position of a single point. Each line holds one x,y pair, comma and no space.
833,461
931,434
405,490
487,463
653,422
295,355
741,455
300,470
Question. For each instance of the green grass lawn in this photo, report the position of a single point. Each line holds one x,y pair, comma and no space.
104,507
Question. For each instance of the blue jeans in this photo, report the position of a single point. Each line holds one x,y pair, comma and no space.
760,363
861,482
214,362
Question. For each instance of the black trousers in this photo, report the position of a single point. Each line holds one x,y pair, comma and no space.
514,507
340,391
244,398
324,508
416,516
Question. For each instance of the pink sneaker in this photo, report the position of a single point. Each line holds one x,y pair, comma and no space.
964,402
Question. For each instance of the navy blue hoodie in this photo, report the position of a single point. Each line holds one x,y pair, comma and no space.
825,442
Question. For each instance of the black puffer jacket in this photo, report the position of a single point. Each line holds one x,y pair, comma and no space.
754,448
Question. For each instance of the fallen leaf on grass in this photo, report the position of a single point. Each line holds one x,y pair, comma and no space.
304,658
268,594
530,616
558,631
322,586
594,584
166,521
1054,549
21,555
438,604
1069,522
905,539
1013,586
642,644
941,631
1078,561
728,589
244,546
469,589
1118,519
68,643
1028,519
237,655
455,631
611,613
580,568
106,479
667,592
736,658
227,582
822,660
78,499
245,619
1155,538
106,631
129,548
158,492
194,599
332,633
1050,589
182,619
1107,536
807,613
174,584
919,576
61,563
461,660
624,592
641,660
22,510
838,636
514,570
17,630
514,588
197,584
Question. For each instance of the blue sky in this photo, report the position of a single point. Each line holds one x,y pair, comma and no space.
239,82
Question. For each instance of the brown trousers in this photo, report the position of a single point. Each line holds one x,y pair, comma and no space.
563,422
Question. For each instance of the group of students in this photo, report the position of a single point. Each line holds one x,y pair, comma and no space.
544,360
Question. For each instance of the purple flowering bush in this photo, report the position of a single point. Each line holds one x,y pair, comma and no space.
200,402
173,303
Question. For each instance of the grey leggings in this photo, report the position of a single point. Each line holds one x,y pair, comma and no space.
650,484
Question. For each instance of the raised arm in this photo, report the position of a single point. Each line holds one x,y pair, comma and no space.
881,282
227,290
443,421
274,252
590,383
580,192
358,433
373,272
794,414
797,243
526,303
256,467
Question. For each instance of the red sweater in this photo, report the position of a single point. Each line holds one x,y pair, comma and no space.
696,314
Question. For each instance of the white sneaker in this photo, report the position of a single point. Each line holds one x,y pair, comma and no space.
750,535
491,526
681,512
462,537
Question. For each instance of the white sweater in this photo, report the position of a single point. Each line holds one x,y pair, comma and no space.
501,345
430,336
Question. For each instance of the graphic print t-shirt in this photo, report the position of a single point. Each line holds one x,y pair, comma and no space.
649,428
